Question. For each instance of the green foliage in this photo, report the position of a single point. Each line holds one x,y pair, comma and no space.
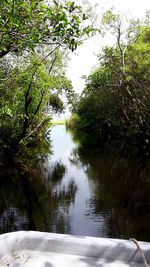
72,122
26,24
33,79
116,100
28,92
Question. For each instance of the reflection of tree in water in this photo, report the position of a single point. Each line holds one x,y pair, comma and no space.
12,220
61,201
63,195
56,172
27,199
74,158
121,192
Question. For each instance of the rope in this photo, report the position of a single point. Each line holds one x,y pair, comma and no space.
141,251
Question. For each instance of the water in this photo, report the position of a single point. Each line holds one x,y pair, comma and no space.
78,214
77,192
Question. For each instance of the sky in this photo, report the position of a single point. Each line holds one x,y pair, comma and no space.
84,59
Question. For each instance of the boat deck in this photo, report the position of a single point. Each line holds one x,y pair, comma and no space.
28,258
36,249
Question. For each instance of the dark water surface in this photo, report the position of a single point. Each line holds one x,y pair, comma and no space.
74,193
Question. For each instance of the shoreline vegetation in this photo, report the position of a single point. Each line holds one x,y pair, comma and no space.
115,103
114,106
58,122
35,40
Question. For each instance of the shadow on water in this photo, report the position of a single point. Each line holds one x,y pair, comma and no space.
120,189
28,201
25,200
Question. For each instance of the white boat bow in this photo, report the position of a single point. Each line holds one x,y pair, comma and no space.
38,249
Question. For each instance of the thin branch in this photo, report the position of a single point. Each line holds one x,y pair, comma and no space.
53,62
37,109
32,132
51,52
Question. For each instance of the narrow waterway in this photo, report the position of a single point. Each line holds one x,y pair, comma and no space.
109,197
77,216
76,191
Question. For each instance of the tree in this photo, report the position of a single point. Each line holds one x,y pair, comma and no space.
116,99
26,24
126,31
29,91
33,35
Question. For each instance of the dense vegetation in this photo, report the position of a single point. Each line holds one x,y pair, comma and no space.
33,41
115,103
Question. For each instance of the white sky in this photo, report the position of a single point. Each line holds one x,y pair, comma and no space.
84,58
